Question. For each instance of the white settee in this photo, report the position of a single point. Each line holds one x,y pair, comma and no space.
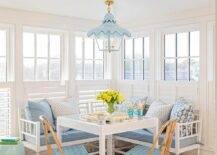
34,140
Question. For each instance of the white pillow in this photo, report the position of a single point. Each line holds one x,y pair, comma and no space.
160,110
64,108
68,107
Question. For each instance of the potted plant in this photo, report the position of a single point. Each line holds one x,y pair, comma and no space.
111,98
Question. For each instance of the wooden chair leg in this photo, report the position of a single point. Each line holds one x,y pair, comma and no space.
37,153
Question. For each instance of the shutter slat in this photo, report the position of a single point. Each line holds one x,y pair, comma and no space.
5,98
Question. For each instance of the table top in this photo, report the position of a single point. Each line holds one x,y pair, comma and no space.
76,122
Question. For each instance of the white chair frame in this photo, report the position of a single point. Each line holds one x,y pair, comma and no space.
32,129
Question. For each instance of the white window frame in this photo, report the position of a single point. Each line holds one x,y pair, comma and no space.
175,30
9,52
63,51
105,66
8,84
137,35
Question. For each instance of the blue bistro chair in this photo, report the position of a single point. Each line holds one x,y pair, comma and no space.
68,150
164,149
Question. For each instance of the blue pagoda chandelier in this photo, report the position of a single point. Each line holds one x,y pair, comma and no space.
109,35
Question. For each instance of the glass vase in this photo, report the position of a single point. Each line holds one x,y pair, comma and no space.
110,108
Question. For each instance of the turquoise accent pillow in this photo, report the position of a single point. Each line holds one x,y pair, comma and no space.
34,110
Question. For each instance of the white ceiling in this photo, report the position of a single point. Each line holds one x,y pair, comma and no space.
125,10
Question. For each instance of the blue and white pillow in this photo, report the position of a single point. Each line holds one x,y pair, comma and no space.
182,111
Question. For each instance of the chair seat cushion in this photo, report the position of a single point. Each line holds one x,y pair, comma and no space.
142,150
68,136
72,150
146,136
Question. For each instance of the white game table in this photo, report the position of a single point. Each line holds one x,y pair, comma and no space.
106,130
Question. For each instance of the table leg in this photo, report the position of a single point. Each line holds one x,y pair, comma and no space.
59,132
110,145
101,144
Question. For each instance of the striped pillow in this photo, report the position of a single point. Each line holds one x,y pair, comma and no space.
160,110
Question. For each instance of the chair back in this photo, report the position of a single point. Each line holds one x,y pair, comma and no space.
49,129
170,127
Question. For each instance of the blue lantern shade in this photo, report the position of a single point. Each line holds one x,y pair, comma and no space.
110,28
111,34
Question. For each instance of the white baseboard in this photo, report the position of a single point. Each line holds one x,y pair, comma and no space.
202,152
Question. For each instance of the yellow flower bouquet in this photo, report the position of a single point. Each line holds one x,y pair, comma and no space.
111,98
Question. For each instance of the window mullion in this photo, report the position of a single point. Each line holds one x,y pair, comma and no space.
187,60
35,55
189,54
124,55
48,58
143,56
93,59
133,59
61,60
103,64
46,40
176,55
7,56
164,48
83,57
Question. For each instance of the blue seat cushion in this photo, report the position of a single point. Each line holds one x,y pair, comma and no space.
67,136
72,150
33,110
146,136
142,150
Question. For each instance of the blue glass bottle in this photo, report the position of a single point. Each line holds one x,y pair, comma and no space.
130,112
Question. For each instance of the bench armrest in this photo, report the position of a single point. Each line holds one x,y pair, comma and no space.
31,129
189,129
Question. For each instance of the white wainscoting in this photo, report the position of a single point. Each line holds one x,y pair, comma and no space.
170,91
134,88
45,90
85,94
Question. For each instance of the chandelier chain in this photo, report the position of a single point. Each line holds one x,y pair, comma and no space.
109,3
